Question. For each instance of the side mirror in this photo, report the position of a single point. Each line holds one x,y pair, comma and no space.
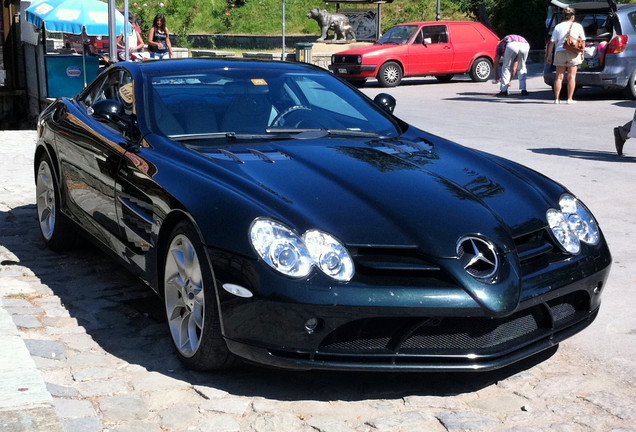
428,41
107,110
386,102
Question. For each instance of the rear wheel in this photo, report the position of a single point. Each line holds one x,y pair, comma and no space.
444,78
56,229
390,74
481,69
190,301
630,89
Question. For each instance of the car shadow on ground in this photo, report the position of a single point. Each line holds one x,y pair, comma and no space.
126,319
601,156
543,96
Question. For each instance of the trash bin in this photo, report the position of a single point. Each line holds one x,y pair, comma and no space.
303,52
65,73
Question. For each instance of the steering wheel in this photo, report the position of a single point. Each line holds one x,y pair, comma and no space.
293,109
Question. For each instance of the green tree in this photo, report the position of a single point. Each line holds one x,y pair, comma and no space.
524,17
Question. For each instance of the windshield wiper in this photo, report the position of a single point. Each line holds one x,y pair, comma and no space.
319,133
198,136
277,134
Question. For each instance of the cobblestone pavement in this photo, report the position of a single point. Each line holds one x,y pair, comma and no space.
101,360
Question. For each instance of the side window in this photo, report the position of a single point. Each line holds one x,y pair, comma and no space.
109,87
96,94
435,34
116,85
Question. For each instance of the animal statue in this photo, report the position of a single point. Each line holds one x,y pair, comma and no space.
338,23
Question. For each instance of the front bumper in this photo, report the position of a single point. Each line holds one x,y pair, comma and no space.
353,71
275,333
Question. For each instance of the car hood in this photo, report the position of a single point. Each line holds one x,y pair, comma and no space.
418,191
372,49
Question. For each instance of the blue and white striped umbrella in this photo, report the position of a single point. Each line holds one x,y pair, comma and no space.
71,16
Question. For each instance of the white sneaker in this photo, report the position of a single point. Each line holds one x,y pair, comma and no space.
556,101
571,101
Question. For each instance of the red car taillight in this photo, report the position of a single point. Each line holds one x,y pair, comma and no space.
617,45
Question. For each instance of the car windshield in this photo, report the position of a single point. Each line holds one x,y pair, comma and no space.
398,35
230,102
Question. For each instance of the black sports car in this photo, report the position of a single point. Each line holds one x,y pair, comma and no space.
289,220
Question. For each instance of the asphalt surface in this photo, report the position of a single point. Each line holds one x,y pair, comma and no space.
83,346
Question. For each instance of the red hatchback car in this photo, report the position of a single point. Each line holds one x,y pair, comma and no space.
439,48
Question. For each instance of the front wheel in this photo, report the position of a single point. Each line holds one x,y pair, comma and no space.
190,301
390,74
481,69
56,229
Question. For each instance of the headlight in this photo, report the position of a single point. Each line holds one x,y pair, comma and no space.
329,255
573,224
281,248
562,232
579,218
292,255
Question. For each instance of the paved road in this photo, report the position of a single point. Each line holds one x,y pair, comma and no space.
83,346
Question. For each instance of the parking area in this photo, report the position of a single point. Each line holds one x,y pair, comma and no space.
99,342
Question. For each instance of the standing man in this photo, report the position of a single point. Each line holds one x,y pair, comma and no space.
514,49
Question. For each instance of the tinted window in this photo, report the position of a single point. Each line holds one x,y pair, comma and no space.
632,20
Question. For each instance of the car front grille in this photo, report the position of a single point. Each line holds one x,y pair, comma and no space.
345,59
408,266
537,251
461,336
402,266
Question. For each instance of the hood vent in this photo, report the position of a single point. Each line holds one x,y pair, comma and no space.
403,147
248,155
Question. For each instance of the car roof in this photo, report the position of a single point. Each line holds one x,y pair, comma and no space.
418,23
190,65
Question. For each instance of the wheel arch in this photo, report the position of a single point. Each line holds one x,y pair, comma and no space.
478,57
46,149
399,62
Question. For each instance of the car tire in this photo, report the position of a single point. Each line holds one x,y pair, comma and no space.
358,83
56,230
630,89
190,302
481,69
444,78
390,74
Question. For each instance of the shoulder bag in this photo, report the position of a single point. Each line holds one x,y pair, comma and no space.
572,44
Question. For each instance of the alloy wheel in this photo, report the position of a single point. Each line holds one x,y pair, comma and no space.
45,200
184,295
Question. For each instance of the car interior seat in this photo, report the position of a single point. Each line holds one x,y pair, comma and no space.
165,121
250,108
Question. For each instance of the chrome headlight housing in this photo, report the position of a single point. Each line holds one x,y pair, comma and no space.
573,224
293,255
